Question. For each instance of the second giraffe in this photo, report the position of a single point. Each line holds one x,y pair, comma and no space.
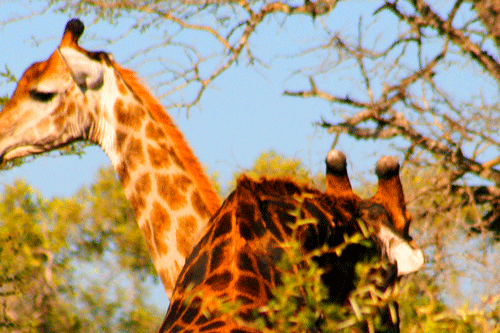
236,262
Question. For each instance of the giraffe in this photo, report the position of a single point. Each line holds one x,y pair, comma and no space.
81,95
235,262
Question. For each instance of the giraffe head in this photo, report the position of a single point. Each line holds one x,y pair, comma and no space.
55,102
393,230
385,212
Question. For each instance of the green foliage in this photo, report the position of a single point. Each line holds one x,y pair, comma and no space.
3,100
214,180
423,311
110,223
272,164
30,267
7,76
300,303
73,264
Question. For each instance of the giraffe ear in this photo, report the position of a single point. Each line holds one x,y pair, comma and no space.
87,73
408,258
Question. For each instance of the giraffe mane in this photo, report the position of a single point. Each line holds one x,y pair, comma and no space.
157,111
344,205
274,186
284,187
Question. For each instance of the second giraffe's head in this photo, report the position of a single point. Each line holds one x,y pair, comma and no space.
385,212
60,100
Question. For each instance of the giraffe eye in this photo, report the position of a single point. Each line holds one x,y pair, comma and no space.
41,96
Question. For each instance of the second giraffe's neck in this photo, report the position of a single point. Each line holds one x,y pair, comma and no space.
165,184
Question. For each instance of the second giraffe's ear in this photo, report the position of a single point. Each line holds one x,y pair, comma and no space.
87,73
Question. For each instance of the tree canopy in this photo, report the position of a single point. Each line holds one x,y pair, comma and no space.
64,270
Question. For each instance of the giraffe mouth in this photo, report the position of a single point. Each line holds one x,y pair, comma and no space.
20,151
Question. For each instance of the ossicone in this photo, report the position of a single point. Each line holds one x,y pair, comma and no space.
387,166
336,162
72,32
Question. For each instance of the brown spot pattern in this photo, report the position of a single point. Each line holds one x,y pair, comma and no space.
123,173
195,273
217,257
186,234
120,112
176,158
182,182
199,206
160,243
59,123
71,109
160,217
139,112
248,284
192,311
131,117
121,87
220,281
143,185
154,132
138,204
135,155
169,192
159,157
61,109
120,139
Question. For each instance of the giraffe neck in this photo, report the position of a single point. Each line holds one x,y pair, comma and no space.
163,181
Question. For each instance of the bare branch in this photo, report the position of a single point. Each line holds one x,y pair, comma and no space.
428,18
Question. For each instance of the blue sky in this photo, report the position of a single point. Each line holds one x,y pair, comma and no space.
242,114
